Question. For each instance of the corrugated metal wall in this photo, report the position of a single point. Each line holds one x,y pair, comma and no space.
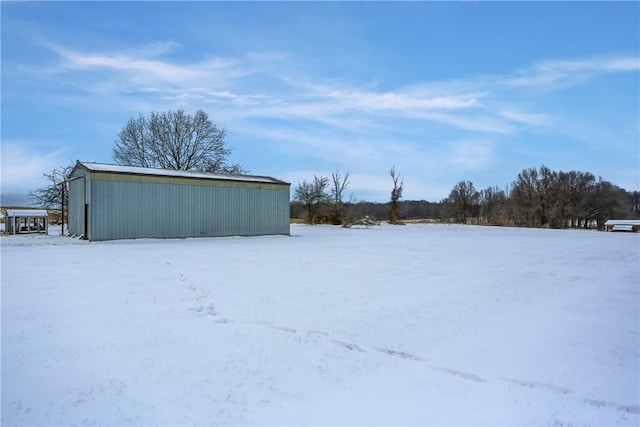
125,210
77,194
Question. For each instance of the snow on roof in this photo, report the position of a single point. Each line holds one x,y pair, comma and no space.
136,170
34,213
622,222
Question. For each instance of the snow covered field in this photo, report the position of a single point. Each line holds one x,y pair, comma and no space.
411,325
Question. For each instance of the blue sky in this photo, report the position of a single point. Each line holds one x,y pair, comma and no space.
445,91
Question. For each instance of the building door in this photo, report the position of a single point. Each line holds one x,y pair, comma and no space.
86,221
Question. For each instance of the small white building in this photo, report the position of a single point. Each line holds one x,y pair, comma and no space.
19,221
622,225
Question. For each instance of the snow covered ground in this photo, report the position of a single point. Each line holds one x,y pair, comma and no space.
410,325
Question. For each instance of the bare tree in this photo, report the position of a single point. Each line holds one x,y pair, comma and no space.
525,198
635,202
313,195
50,196
174,140
132,147
396,195
340,184
544,189
464,201
493,204
535,194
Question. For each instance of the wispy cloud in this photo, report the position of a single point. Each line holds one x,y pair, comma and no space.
479,104
153,50
23,166
397,101
469,154
551,73
601,64
217,79
143,69
340,122
514,114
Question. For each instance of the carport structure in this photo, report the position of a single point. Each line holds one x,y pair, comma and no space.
22,221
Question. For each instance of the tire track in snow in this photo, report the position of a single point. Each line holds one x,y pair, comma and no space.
540,386
399,354
632,409
464,375
209,311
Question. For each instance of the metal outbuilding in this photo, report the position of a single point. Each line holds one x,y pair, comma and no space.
108,202
18,221
622,225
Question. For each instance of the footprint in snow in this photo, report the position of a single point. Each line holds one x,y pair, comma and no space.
208,310
350,346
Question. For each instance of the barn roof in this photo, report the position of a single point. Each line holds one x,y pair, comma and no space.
136,170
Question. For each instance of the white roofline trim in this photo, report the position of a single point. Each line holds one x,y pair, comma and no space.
137,170
33,213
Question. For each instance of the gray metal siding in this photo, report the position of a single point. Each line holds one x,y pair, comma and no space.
75,219
125,210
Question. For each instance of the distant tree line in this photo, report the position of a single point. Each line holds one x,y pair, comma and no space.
538,197
358,209
321,201
542,198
